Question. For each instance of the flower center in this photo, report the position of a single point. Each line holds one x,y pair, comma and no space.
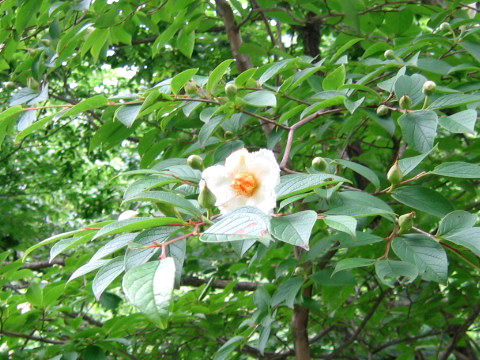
244,183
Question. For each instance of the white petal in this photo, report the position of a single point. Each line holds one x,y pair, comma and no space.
234,202
264,199
218,183
236,162
264,166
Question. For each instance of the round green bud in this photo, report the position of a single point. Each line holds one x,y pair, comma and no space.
228,134
405,222
319,163
405,102
191,87
389,54
195,162
382,110
231,91
206,199
394,175
429,87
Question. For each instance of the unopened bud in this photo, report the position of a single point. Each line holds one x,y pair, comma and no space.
319,163
228,134
231,91
405,102
206,199
394,175
405,222
128,214
445,26
382,110
389,54
429,87
191,87
195,162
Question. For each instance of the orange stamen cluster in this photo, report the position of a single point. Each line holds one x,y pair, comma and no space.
244,183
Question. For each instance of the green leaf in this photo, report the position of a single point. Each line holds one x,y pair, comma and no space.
244,77
106,275
423,199
342,49
352,263
21,96
274,69
127,114
391,271
453,100
294,229
113,245
456,221
467,238
34,295
88,267
460,122
299,183
335,79
208,129
356,203
168,198
425,253
186,42
135,224
472,48
10,112
342,223
226,349
411,86
217,75
353,105
26,119
410,163
39,124
179,80
57,237
287,291
138,253
261,98
149,287
327,278
419,129
66,244
26,13
360,169
240,224
458,169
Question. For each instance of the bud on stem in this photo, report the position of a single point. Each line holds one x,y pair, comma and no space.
405,102
405,222
394,175
195,162
320,164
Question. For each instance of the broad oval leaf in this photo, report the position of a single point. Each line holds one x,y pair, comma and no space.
261,98
456,221
458,169
360,169
352,263
419,129
135,224
168,198
106,275
217,75
294,229
343,223
391,271
149,287
299,183
127,114
424,199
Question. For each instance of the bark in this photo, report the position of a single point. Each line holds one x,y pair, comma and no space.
310,34
234,35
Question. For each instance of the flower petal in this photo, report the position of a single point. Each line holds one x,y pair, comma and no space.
264,166
219,183
236,162
264,199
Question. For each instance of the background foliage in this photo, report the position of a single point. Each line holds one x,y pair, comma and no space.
102,101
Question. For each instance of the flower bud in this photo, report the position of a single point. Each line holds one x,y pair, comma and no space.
206,199
389,54
394,175
429,87
231,91
319,163
445,26
228,134
405,102
405,222
195,162
382,110
191,87
128,214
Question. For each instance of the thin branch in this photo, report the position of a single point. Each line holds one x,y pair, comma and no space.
220,283
31,337
406,339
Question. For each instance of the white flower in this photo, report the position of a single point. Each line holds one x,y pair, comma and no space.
247,179
128,214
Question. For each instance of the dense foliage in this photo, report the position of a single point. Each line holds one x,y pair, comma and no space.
370,109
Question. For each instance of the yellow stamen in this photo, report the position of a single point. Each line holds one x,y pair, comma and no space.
244,183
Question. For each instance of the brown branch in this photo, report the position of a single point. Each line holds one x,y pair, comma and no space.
461,332
406,339
234,35
85,317
31,337
40,264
